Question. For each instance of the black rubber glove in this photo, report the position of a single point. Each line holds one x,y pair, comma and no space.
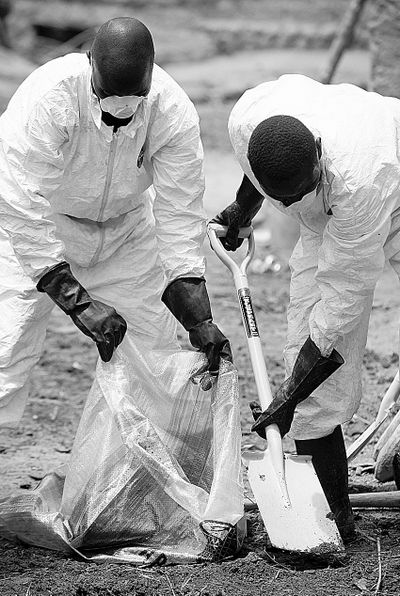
310,370
239,214
207,338
187,299
98,321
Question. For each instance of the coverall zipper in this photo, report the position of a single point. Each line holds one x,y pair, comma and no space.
110,167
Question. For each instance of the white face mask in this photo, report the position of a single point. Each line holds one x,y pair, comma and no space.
303,205
295,208
121,107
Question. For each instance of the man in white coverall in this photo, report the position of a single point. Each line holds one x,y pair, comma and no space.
327,155
82,141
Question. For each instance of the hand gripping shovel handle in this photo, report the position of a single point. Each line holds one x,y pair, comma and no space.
216,231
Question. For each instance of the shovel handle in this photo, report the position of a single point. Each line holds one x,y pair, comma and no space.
390,398
215,232
265,397
221,231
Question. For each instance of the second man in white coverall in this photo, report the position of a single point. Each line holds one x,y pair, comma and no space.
327,155
101,170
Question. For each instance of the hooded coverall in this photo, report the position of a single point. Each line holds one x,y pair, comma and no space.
123,207
347,231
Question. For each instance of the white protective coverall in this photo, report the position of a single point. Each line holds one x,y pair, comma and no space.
346,232
73,190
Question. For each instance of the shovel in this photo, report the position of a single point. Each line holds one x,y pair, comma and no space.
387,404
286,488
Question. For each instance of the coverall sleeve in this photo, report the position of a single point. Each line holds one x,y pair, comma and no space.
31,166
350,260
304,293
178,182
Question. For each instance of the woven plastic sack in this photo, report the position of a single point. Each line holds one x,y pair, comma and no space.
154,474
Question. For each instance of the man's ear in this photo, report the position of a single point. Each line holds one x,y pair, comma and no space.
319,147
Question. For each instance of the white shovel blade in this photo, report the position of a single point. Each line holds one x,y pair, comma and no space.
307,525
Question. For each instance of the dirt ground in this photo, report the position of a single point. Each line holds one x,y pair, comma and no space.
45,436
62,379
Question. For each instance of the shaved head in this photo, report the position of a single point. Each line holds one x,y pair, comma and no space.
284,157
122,58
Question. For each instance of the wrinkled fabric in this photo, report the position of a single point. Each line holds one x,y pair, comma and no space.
121,107
124,209
23,322
346,233
155,471
58,158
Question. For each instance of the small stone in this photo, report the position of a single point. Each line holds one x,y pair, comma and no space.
62,449
36,477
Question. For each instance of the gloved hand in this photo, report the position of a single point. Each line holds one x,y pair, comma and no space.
239,214
283,418
187,299
98,321
310,370
256,412
207,338
235,217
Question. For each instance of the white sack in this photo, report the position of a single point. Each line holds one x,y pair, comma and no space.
155,459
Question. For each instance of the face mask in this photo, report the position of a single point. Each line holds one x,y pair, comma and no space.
121,107
303,205
298,207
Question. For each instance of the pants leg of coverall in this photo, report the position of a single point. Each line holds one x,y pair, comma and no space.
316,426
338,398
24,314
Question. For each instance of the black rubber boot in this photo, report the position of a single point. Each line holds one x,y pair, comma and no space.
330,464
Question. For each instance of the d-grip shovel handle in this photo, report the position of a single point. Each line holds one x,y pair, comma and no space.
272,433
216,231
221,231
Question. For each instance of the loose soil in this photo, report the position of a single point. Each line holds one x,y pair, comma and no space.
43,440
